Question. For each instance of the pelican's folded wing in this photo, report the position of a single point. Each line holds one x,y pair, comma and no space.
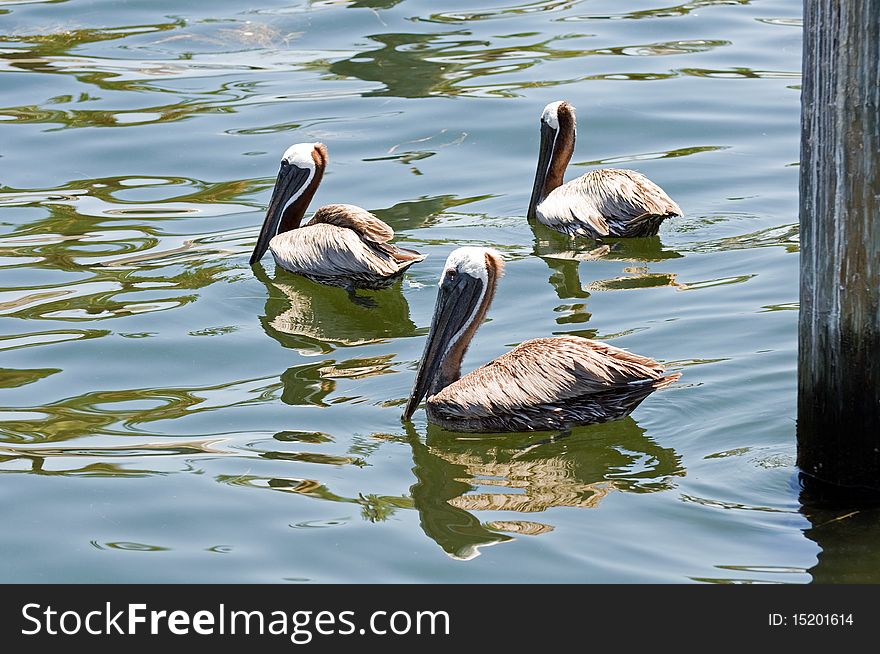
327,250
586,205
360,221
546,372
627,194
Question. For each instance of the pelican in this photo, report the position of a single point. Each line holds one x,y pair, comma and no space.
605,202
542,384
342,245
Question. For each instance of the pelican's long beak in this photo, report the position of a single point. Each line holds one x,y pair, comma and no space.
289,183
457,300
545,155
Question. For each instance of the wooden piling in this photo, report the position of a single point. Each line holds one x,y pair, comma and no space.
839,330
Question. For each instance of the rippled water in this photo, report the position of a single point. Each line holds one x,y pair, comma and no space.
169,414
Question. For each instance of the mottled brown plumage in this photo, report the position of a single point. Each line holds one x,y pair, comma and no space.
343,245
542,384
358,220
604,202
548,383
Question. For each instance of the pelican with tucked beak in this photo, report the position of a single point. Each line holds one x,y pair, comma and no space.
606,202
342,245
542,384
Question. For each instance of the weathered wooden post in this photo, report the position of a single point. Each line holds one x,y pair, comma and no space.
839,331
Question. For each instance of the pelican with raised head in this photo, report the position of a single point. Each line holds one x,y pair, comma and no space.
542,384
605,202
342,245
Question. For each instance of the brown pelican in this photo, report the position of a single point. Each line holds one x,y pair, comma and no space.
605,202
342,245
542,384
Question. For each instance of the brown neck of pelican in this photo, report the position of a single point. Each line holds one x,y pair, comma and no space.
563,149
450,368
293,214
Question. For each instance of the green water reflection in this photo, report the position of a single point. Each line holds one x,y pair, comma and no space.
460,474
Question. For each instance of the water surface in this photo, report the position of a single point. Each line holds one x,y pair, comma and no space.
170,414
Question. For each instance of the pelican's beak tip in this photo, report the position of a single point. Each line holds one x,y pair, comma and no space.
408,412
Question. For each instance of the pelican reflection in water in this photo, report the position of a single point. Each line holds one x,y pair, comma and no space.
604,202
629,262
342,245
319,319
459,476
542,384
